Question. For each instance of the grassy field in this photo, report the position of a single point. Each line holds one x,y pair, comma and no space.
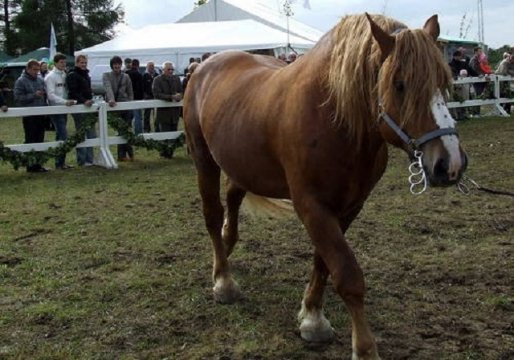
116,264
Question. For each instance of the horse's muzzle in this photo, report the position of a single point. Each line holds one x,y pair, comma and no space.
443,175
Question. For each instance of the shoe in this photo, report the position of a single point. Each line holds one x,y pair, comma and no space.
124,159
64,167
87,164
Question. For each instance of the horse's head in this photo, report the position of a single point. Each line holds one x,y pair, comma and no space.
412,84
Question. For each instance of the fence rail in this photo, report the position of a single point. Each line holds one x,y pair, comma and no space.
103,141
496,101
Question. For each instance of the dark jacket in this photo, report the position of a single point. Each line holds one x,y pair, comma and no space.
137,83
25,89
164,87
457,65
78,83
147,84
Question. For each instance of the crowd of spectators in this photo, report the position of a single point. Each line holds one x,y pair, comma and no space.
40,86
477,66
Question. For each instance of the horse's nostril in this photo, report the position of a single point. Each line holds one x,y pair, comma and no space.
441,168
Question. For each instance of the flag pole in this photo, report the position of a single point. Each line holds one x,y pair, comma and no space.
288,11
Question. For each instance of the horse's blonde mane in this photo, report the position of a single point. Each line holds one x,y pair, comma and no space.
354,69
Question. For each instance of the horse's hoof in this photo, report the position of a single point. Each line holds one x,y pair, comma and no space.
226,291
318,335
371,355
314,326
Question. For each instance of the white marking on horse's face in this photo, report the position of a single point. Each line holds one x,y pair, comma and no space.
451,143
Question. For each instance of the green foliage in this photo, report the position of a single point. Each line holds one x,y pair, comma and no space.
92,20
19,159
166,147
496,56
200,3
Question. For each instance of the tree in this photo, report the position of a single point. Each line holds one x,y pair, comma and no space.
10,10
77,23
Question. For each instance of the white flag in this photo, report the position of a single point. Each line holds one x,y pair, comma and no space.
53,43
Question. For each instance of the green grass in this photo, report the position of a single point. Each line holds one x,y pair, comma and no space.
116,264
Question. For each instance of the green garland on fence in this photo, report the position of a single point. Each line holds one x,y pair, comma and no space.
19,159
165,147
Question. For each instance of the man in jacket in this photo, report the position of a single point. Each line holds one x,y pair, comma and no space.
137,88
78,83
29,90
118,87
148,78
167,87
55,82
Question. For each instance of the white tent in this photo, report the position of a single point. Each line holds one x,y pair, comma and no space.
222,10
178,42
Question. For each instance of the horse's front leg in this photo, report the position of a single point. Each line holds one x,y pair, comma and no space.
314,326
329,242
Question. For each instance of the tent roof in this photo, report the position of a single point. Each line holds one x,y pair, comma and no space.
222,10
38,54
454,39
205,36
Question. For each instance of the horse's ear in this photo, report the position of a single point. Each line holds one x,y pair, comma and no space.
384,40
432,27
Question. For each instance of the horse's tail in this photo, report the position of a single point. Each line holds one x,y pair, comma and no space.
263,206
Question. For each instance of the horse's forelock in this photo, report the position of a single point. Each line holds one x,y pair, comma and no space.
352,72
419,64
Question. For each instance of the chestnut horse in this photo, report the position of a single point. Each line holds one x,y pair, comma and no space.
316,132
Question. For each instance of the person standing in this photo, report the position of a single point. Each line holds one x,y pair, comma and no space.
167,86
55,83
78,83
43,69
148,78
118,88
29,90
506,68
137,88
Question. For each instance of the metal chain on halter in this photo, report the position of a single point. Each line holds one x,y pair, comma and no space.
417,174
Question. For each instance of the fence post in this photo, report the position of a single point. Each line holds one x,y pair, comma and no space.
498,105
106,159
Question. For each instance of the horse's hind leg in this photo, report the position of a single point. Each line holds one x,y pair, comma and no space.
225,288
230,233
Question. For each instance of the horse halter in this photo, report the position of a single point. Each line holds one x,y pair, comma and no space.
417,172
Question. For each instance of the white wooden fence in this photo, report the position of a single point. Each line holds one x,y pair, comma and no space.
103,141
496,102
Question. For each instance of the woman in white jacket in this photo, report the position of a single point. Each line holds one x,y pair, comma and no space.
55,83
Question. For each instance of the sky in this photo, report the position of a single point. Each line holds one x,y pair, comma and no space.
324,14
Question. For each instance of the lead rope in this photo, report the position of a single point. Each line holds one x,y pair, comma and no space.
466,184
417,174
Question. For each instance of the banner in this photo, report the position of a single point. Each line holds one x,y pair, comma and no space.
53,43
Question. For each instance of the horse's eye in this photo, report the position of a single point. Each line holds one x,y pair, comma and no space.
399,86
